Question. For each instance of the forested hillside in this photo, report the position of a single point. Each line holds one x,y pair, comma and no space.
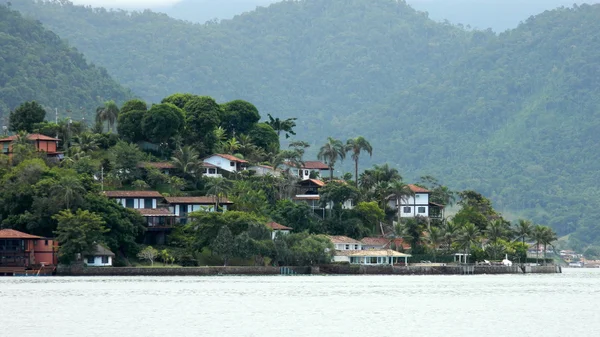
36,65
513,115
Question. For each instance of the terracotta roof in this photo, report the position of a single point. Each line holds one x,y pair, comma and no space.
209,165
100,250
158,165
371,252
32,136
438,205
264,166
132,194
307,197
228,157
314,181
275,226
342,239
315,165
196,200
155,212
375,241
13,234
417,189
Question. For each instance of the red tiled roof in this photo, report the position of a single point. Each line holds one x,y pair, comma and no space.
265,166
158,165
155,212
13,234
228,157
314,181
275,226
342,239
375,241
132,194
209,165
315,165
417,189
209,200
33,136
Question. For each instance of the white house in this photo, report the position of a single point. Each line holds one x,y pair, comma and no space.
211,171
372,257
227,162
182,206
135,199
278,229
101,257
264,170
345,243
416,205
318,168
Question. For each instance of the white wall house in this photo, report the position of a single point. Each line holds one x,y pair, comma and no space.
278,229
319,168
101,257
183,206
372,257
135,199
211,171
264,170
227,162
412,206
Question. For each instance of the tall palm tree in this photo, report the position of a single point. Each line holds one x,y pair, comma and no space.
187,161
451,231
435,237
289,158
495,230
286,125
331,152
218,187
108,113
537,234
86,142
402,192
69,189
356,146
231,146
523,229
548,236
469,234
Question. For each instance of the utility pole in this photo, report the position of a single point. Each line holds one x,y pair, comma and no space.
102,177
55,115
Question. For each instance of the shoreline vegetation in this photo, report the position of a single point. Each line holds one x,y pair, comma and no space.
62,193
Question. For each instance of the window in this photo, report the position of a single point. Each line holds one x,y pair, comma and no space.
347,247
105,259
373,260
407,209
356,247
45,242
91,259
421,210
148,203
231,163
129,203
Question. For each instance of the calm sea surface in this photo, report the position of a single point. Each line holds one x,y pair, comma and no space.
513,305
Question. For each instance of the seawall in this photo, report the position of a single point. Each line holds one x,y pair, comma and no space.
333,269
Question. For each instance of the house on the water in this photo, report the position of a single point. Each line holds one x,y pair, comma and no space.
227,162
21,251
354,252
100,257
310,169
278,229
181,207
42,143
415,205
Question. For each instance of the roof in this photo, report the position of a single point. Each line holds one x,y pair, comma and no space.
100,250
228,157
342,239
275,226
209,165
375,241
314,181
133,194
264,166
13,234
417,189
307,197
158,165
32,136
196,200
315,165
438,205
155,212
371,252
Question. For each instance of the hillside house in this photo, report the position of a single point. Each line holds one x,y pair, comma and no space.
307,191
345,243
181,207
278,229
163,167
20,251
136,199
42,143
416,205
227,162
316,168
211,171
264,170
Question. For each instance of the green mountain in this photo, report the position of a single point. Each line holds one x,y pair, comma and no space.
36,65
512,115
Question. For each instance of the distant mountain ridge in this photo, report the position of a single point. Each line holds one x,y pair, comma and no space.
36,65
513,115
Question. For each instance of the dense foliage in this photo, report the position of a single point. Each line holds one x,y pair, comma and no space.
35,64
501,114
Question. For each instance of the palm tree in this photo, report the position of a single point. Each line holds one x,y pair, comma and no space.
402,192
108,113
523,230
537,234
279,125
289,158
451,231
231,146
218,187
548,236
495,230
187,161
69,189
86,142
356,146
435,237
469,234
331,152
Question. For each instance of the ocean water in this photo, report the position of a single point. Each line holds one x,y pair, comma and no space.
565,304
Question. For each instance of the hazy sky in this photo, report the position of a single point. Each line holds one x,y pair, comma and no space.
126,3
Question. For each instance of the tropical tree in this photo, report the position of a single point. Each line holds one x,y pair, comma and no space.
435,237
187,161
356,146
86,142
548,236
523,229
69,190
26,116
78,233
538,235
331,152
108,113
450,232
223,244
469,235
402,192
287,125
149,253
218,187
495,230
